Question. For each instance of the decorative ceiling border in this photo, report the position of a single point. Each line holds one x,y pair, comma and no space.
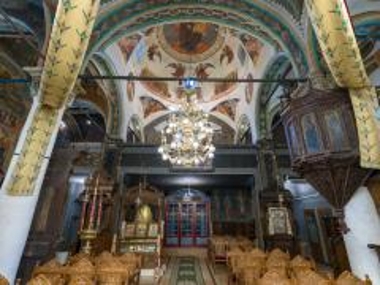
114,117
274,69
258,19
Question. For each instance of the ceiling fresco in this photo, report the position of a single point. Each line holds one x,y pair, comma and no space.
127,45
158,88
253,46
249,88
261,19
213,52
227,108
151,106
190,41
191,49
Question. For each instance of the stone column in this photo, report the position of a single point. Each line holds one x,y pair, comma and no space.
363,221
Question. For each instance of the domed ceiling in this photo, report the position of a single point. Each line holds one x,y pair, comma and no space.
192,49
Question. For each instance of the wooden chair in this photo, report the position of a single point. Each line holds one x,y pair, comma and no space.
3,280
258,253
250,275
103,257
82,272
310,277
347,278
75,258
112,272
132,264
42,279
218,251
81,280
278,254
234,258
51,269
273,277
299,264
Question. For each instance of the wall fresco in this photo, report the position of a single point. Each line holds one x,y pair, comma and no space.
156,87
151,106
227,108
231,205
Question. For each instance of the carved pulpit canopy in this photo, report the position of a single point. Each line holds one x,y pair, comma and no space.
323,143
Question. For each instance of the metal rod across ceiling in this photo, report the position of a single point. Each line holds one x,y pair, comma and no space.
182,79
178,79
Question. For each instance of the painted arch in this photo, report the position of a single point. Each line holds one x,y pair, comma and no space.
276,68
258,18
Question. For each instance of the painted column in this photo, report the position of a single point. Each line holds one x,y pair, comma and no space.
256,189
364,223
332,25
68,43
16,212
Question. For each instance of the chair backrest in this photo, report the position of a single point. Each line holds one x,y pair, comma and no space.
81,280
347,278
299,261
52,267
256,252
276,262
42,279
310,277
274,277
112,271
278,254
105,255
81,271
75,258
3,280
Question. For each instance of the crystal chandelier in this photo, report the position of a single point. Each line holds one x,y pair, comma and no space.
187,138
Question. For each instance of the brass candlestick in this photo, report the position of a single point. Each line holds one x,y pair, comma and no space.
97,187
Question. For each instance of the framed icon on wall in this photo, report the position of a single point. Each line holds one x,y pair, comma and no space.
153,230
279,221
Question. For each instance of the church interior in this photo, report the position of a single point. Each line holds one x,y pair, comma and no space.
190,142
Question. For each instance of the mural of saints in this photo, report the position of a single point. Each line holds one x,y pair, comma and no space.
224,88
190,37
159,88
227,108
253,46
336,131
127,45
249,89
311,135
130,88
151,106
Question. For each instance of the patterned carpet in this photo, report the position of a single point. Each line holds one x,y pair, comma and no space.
186,271
191,267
